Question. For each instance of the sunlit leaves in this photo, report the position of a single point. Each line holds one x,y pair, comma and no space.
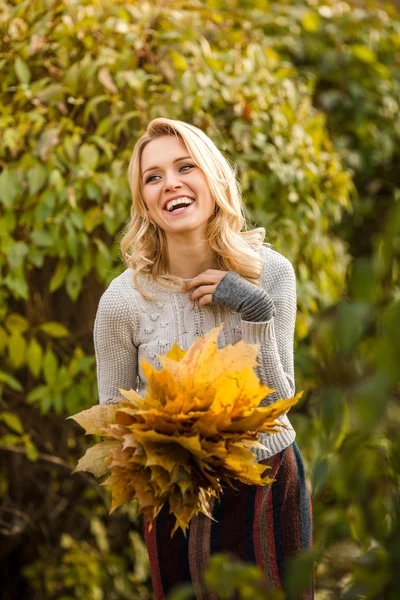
34,356
195,426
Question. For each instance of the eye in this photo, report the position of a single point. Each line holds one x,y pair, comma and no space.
182,169
186,167
150,178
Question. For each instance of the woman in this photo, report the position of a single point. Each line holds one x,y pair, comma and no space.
190,267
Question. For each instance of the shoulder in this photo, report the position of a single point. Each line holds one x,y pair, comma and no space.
277,271
121,297
274,262
122,286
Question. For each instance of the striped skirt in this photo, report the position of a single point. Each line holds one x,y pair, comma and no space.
263,525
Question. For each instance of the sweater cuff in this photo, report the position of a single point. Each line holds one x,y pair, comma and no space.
253,303
259,309
257,333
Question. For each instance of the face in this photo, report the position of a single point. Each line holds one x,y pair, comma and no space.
168,173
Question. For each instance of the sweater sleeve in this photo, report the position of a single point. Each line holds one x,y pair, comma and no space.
276,336
116,353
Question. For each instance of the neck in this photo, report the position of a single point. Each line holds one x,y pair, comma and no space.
188,258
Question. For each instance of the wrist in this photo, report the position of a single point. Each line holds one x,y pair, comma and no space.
253,303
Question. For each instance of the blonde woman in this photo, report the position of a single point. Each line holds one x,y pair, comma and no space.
190,266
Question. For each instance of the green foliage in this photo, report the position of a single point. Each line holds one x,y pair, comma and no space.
13,435
304,95
354,55
229,578
354,410
91,570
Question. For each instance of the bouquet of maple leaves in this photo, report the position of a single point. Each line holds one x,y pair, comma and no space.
192,431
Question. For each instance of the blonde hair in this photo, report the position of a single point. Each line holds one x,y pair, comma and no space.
144,244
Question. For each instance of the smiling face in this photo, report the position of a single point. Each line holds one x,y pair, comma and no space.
174,188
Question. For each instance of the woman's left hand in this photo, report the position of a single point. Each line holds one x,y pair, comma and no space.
207,282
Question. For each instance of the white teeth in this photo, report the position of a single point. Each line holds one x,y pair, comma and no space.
182,200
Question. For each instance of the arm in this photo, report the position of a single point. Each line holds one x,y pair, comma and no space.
116,354
268,319
276,335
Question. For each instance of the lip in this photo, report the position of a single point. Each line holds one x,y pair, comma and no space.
175,198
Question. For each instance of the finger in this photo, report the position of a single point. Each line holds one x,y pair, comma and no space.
207,299
202,291
202,279
207,277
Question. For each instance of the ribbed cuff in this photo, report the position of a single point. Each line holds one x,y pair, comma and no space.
253,303
259,309
257,333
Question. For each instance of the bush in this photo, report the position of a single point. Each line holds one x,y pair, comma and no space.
304,96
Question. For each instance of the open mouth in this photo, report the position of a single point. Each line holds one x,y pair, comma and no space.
179,205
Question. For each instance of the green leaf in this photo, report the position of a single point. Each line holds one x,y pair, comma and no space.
58,276
16,350
89,155
319,474
10,439
71,78
179,61
58,404
17,286
54,329
363,53
45,405
12,383
16,323
50,367
51,93
93,218
16,254
12,421
22,70
43,238
36,178
74,282
93,191
299,574
10,187
37,394
34,357
31,452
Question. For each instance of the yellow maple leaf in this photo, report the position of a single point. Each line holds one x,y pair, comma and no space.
97,459
96,418
194,429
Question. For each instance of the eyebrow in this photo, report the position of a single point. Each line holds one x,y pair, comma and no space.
175,161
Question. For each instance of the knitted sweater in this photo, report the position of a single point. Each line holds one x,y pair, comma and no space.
128,327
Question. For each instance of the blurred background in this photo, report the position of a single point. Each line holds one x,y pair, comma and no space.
304,95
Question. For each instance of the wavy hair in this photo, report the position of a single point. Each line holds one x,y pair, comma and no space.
144,244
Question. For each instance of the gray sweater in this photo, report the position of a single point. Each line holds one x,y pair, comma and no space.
128,326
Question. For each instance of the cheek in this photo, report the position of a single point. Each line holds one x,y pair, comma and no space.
150,198
202,185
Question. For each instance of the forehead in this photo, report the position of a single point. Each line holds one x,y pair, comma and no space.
162,150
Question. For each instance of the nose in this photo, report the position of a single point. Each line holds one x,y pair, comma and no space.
172,181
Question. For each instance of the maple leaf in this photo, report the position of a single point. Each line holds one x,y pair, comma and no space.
97,458
96,418
193,430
